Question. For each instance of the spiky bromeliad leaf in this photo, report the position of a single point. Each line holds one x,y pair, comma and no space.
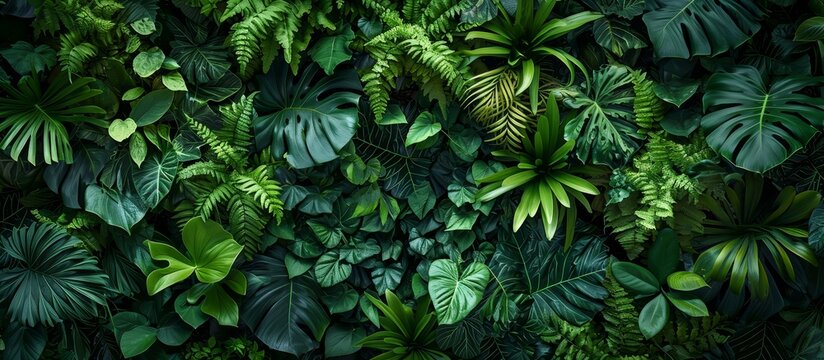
278,307
755,124
308,119
604,130
31,115
561,283
47,276
684,28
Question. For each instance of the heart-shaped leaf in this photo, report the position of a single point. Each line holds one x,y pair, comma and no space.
121,130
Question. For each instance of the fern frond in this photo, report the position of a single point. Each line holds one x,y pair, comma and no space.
246,222
237,122
211,169
263,189
621,319
648,108
225,151
74,53
691,337
575,342
206,203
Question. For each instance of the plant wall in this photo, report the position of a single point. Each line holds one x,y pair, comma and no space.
417,179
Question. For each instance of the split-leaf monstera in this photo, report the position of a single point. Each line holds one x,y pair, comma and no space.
545,177
308,119
755,124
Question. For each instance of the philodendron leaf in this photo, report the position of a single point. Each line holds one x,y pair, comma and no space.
654,316
148,62
120,130
154,178
119,209
330,51
455,293
212,251
635,278
685,281
424,127
152,107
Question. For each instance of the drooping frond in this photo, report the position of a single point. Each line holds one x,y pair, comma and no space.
621,319
203,168
226,152
264,190
648,108
237,122
246,222
206,203
75,53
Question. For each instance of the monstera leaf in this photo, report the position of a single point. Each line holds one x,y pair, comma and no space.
684,28
212,251
278,308
603,129
306,119
757,125
51,277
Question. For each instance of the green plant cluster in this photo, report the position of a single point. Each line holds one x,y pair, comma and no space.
415,179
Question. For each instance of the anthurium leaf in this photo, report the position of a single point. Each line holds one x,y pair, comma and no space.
691,306
296,266
811,29
278,309
685,281
148,62
24,57
120,130
681,122
328,235
153,179
212,249
219,305
330,51
331,270
424,127
636,278
340,298
120,209
460,219
654,316
757,125
308,119
681,28
422,200
387,277
151,107
664,254
454,292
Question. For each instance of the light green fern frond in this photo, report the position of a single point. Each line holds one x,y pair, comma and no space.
205,203
237,122
225,151
621,319
648,108
263,189
246,222
575,342
211,169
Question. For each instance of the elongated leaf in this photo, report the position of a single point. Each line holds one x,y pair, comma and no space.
654,316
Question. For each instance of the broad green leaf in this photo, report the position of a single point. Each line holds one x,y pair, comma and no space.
278,309
422,200
654,316
811,29
190,313
461,195
676,92
138,149
119,209
202,58
217,90
212,249
341,340
330,51
152,107
219,305
331,270
22,342
340,298
173,331
306,120
455,293
664,254
686,281
459,219
136,341
686,28
328,235
681,122
148,62
691,306
174,81
635,278
463,338
133,93
297,266
120,130
394,116
144,26
757,125
154,178
387,277
424,127
24,57
179,267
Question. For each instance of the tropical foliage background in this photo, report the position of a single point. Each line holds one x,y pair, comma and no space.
417,179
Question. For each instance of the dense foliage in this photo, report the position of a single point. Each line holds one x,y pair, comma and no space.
417,179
